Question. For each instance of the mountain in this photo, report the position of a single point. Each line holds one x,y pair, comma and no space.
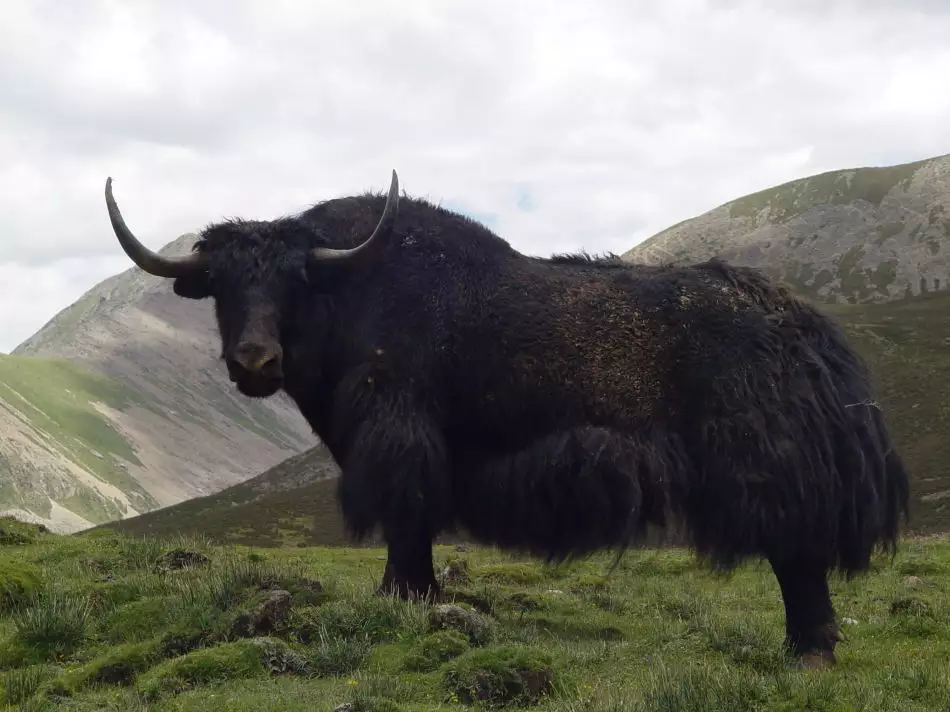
120,405
855,235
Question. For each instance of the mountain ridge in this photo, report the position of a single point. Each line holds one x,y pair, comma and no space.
873,233
157,393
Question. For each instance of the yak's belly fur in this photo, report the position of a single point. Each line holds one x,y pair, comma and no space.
728,407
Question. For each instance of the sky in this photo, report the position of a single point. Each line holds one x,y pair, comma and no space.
561,126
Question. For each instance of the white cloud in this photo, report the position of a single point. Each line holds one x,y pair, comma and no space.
565,125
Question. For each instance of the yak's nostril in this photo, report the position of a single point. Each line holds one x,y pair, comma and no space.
269,367
258,358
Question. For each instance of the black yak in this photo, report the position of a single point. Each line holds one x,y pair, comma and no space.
554,406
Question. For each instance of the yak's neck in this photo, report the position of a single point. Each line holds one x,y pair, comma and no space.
313,374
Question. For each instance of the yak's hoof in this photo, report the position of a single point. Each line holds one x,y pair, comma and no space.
409,592
817,660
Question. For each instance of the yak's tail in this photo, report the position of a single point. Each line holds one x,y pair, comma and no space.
875,483
793,455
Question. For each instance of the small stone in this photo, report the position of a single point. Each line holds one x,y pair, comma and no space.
266,618
913,582
455,572
311,585
849,621
909,606
476,626
462,548
273,611
345,707
180,559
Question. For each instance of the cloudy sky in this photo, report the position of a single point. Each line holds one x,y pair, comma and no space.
561,125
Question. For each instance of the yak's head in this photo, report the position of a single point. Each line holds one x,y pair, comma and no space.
261,275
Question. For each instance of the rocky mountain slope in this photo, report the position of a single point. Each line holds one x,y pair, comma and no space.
120,404
862,234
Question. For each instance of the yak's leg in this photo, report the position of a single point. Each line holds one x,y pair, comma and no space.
811,630
409,572
396,475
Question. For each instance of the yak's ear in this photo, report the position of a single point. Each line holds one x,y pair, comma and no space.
193,286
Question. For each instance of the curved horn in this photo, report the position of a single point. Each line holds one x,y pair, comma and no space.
383,229
149,261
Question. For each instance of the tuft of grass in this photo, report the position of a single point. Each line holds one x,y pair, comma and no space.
337,656
21,684
18,583
500,677
435,649
229,661
54,625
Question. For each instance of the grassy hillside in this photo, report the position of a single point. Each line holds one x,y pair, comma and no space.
255,515
120,405
907,344
53,406
106,622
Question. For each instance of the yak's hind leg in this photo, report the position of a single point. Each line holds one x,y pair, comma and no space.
811,630
396,476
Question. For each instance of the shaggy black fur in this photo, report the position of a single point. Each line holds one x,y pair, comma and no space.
561,405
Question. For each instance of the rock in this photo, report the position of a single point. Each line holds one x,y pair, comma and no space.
476,626
278,658
345,707
909,606
462,548
180,559
455,572
310,585
266,618
526,601
500,677
913,582
849,621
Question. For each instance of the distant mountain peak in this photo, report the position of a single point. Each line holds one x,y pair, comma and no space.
851,235
161,396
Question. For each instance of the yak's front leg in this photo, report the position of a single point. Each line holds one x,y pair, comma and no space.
409,572
396,476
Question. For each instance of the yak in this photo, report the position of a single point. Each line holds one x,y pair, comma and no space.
554,406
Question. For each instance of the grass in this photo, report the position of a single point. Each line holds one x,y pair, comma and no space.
105,627
57,400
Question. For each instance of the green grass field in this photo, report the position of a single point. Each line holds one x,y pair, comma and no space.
93,623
